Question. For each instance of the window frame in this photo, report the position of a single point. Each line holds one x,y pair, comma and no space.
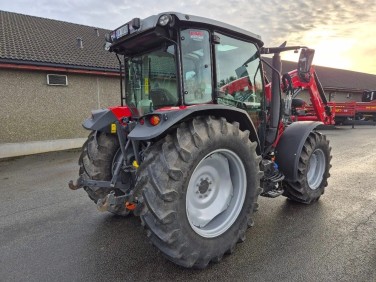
259,68
211,59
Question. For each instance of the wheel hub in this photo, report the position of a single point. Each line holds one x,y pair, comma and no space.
316,169
204,186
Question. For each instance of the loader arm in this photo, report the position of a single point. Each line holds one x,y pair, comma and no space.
323,112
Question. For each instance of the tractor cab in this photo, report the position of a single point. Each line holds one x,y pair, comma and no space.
174,60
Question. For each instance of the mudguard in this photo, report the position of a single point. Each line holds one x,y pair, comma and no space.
169,118
290,147
100,120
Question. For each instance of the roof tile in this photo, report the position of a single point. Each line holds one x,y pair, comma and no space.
28,38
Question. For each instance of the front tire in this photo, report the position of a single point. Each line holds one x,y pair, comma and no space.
200,185
313,170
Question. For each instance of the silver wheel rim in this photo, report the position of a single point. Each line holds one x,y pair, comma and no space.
216,193
316,169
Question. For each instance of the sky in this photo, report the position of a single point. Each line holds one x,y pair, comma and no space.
343,33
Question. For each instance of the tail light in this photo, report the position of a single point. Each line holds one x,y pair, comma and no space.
154,120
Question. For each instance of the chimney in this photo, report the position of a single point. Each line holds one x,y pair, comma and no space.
79,43
96,31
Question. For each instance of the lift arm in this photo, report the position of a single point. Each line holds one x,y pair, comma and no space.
323,111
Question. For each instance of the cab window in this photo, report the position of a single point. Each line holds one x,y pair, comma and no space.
197,69
239,76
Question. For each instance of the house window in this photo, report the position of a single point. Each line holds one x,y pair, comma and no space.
57,80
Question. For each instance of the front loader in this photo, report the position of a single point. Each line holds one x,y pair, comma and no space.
199,135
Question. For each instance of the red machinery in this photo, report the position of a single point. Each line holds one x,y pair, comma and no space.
319,109
365,110
189,158
330,112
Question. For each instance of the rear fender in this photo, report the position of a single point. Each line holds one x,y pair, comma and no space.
102,118
290,146
171,118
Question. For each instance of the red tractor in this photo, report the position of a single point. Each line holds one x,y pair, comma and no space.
186,155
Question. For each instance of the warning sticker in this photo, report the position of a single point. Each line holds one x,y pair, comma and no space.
113,128
196,35
146,85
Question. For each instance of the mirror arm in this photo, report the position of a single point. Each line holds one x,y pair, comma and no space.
274,50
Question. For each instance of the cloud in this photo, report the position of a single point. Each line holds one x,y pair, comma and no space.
298,22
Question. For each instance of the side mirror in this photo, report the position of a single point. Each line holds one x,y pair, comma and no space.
305,63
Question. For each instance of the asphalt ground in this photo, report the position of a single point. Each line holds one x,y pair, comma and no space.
50,233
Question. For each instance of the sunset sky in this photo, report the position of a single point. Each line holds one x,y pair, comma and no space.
343,33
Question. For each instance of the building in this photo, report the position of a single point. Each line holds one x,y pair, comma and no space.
339,85
53,73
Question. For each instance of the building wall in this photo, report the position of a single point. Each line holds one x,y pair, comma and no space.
31,110
334,96
345,97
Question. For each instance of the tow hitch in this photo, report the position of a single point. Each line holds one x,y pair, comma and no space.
94,184
122,204
119,204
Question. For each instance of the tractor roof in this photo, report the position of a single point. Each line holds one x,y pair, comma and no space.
220,26
137,27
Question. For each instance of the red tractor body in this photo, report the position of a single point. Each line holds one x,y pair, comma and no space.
200,134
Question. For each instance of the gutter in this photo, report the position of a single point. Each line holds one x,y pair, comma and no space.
40,66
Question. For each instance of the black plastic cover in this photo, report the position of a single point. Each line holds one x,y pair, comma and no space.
290,147
100,120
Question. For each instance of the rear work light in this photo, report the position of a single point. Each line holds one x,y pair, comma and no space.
154,120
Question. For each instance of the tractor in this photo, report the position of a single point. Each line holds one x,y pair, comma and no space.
200,134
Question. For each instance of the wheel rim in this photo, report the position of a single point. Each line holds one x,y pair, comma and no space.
316,169
216,193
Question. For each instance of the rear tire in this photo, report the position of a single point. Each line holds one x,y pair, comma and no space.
313,170
96,162
183,161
